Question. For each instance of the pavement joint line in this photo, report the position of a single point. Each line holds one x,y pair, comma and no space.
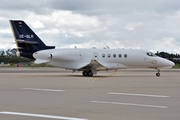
129,104
38,89
141,95
40,115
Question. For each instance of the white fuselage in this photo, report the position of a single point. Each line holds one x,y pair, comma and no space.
77,58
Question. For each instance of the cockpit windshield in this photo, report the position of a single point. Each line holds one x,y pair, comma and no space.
151,54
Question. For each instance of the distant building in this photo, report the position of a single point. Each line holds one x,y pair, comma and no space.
176,58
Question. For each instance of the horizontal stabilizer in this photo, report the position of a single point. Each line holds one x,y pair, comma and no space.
27,42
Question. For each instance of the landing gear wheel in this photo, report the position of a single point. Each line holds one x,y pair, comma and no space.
157,74
89,73
85,73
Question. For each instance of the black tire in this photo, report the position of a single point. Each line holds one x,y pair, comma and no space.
85,73
158,74
89,73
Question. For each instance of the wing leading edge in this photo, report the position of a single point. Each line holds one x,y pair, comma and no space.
93,66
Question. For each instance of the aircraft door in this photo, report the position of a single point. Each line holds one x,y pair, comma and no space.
95,56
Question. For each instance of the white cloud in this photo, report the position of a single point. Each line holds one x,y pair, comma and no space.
97,44
176,51
148,25
165,44
5,31
133,26
50,31
37,24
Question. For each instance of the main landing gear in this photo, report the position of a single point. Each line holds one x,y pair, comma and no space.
158,73
87,73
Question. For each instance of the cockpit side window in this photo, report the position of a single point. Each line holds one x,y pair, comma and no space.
151,54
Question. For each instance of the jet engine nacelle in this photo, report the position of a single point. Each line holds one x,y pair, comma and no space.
67,55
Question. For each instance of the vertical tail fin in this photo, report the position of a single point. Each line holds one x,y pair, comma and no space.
27,41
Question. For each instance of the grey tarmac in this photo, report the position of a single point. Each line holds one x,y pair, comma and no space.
54,93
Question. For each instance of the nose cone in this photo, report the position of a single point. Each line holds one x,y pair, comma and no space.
167,64
170,63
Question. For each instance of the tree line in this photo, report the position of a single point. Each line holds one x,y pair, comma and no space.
170,56
9,56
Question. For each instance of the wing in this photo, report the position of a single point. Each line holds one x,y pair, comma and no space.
94,66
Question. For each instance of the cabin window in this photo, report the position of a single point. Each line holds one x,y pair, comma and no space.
103,55
125,55
109,55
114,55
119,55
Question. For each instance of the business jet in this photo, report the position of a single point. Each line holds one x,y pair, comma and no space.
87,60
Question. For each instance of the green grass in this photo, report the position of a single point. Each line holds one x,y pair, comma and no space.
176,66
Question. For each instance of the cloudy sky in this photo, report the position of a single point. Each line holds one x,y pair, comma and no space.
140,24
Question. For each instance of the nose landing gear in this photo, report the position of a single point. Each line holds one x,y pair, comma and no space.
158,73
